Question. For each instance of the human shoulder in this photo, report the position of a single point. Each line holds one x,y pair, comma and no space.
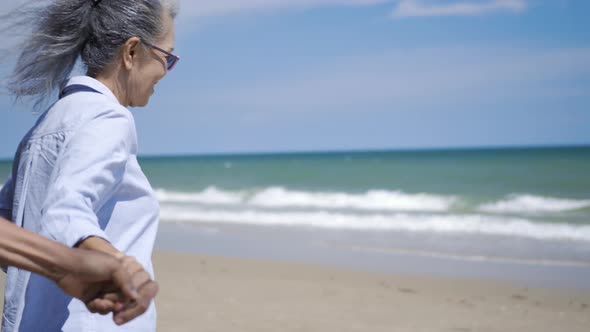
107,127
111,119
95,100
88,108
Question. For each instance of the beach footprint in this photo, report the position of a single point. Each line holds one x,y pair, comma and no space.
407,290
461,329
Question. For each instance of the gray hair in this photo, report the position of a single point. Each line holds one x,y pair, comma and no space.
64,31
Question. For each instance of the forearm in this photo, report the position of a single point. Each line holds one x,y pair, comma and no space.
32,252
85,275
99,244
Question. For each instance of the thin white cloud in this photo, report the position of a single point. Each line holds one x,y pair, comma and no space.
424,8
403,8
203,8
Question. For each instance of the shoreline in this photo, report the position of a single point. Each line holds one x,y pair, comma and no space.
540,263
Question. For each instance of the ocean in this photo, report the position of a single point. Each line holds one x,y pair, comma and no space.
527,206
530,193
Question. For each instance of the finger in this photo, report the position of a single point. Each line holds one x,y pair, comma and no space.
91,292
119,299
140,279
101,306
147,293
92,306
119,306
123,277
113,297
131,265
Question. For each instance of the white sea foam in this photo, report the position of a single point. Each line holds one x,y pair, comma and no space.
533,204
467,224
211,195
278,197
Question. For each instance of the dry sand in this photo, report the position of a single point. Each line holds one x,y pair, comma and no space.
201,293
228,294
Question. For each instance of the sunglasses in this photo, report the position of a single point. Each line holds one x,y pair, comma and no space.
171,59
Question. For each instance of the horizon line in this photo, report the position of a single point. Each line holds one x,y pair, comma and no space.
358,150
367,150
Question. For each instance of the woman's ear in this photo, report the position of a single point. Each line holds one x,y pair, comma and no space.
129,52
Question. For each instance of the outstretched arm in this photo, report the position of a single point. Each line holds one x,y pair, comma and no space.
87,275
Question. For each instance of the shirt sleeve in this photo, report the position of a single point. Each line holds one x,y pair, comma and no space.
6,199
6,194
85,177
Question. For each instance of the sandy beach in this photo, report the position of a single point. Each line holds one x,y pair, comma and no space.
207,293
228,294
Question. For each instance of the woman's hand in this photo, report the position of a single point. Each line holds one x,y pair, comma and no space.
108,284
106,281
146,291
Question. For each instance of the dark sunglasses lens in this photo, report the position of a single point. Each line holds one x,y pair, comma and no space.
171,61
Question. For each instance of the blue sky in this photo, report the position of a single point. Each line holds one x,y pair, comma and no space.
281,75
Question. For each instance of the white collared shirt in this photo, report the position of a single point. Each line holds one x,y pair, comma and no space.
75,176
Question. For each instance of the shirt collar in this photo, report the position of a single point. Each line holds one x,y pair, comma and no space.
95,84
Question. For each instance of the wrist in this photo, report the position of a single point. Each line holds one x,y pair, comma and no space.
64,262
99,244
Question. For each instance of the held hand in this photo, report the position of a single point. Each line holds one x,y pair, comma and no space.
124,311
107,284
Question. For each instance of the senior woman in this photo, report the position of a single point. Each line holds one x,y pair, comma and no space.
75,177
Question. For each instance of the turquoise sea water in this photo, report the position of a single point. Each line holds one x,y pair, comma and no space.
479,174
541,193
525,206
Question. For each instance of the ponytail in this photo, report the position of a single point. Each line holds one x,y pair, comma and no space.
50,53
67,30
